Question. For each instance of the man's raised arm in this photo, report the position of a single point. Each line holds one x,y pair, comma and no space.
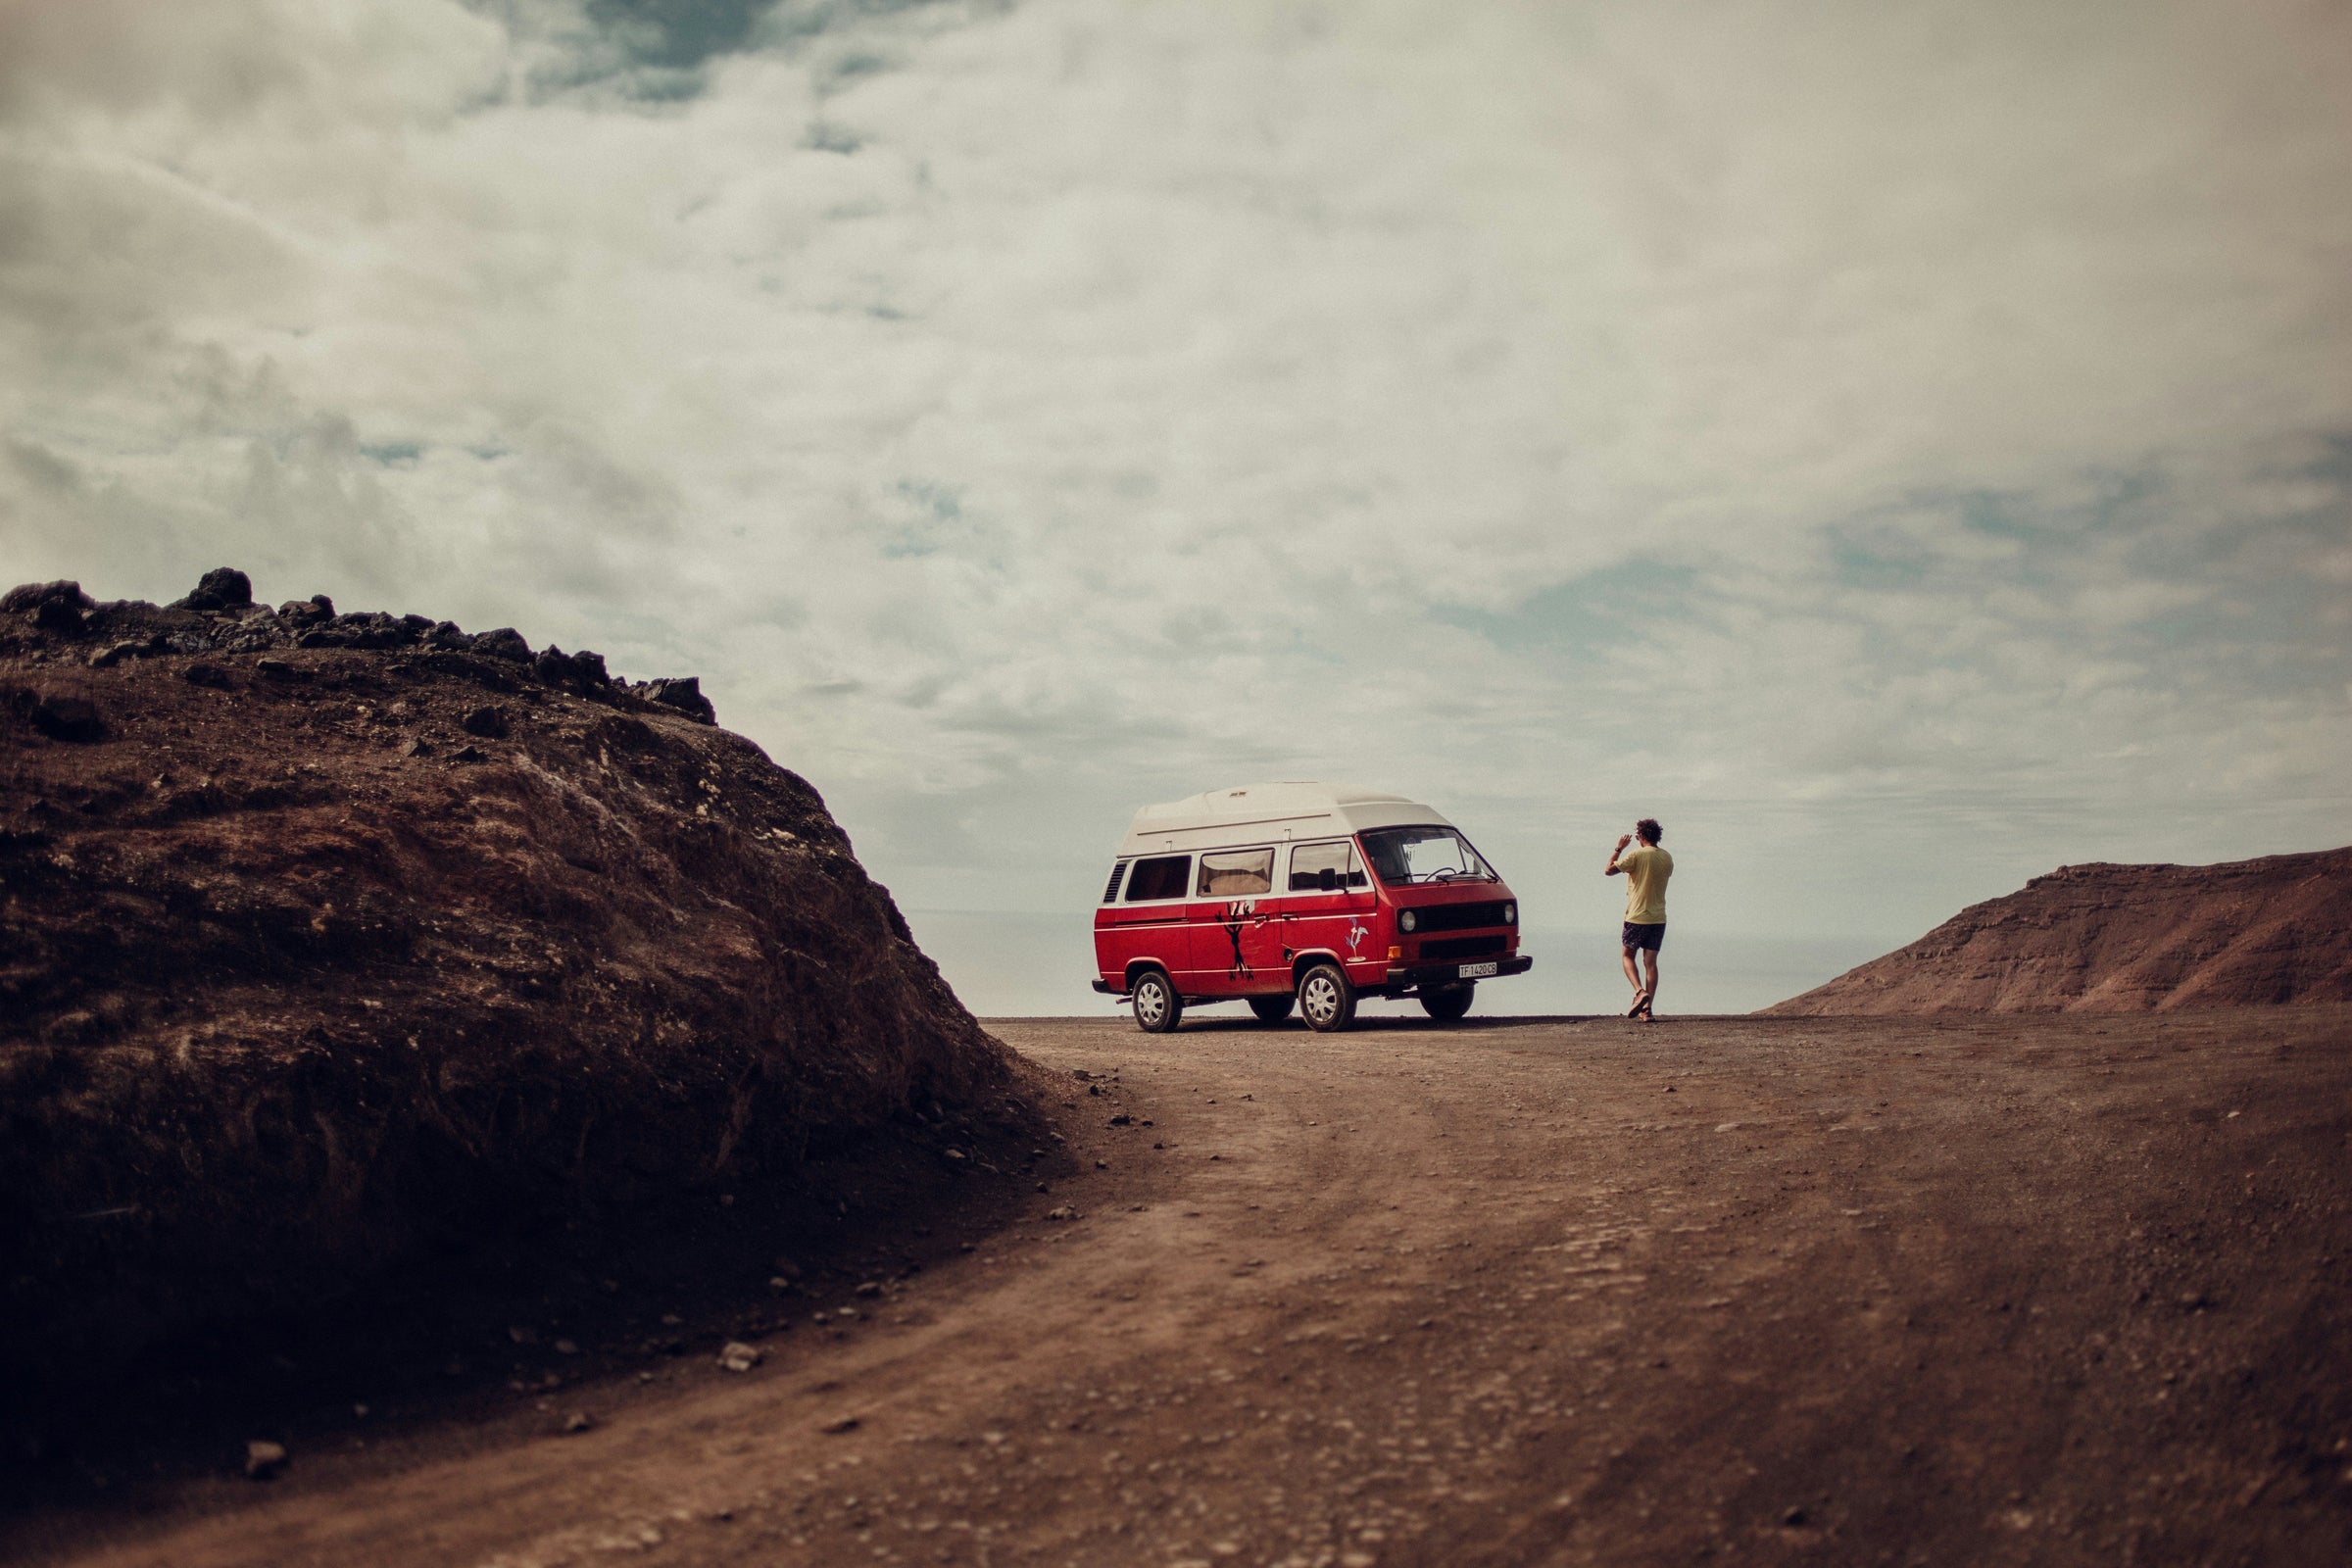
1613,868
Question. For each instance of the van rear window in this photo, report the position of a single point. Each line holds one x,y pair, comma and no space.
1159,877
1236,873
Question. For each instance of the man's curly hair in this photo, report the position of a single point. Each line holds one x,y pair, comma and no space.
1649,830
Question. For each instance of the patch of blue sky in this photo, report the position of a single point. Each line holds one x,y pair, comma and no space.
938,518
679,34
1579,620
790,23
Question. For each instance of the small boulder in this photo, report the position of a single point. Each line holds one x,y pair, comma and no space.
365,628
504,642
737,1357
559,669
114,654
29,598
488,721
683,693
68,718
58,615
303,613
264,1460
221,588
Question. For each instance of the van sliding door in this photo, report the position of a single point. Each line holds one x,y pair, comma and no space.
1235,939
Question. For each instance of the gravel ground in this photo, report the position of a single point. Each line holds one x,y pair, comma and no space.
1968,1289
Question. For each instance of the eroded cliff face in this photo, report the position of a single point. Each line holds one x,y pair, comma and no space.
327,941
2124,939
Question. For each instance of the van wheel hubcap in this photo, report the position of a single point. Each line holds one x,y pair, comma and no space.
1150,1002
1320,1000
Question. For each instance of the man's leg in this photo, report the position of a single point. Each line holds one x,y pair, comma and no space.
1650,962
1633,976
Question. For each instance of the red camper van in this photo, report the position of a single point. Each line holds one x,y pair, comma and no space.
1305,894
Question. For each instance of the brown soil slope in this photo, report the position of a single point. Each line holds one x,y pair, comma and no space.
2124,939
329,941
1514,1294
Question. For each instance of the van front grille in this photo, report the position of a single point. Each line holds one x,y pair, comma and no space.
1459,917
1463,947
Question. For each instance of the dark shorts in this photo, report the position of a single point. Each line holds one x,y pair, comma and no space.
1645,935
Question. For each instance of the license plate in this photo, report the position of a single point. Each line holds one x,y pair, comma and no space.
1475,972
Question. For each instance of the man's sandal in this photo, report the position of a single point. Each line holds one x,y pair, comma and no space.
1640,1005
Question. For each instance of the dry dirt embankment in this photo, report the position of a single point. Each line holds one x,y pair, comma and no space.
1994,1290
2106,938
331,943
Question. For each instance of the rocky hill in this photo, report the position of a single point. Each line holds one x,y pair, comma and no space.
328,941
2105,937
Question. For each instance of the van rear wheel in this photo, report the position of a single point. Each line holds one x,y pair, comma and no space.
1325,999
1158,1007
1445,1003
1272,1009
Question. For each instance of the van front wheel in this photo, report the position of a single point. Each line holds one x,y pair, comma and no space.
1445,1003
1158,1007
1325,999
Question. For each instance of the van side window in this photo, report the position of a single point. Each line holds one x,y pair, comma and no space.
1159,877
1236,873
1325,867
1110,889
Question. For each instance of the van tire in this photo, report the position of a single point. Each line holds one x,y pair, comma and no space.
1273,1009
1158,1007
1445,1003
1326,1000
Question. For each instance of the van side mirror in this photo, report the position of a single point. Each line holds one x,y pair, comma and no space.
1328,879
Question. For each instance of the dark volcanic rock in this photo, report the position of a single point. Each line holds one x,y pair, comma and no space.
68,718
297,987
505,642
2124,939
221,588
29,598
488,721
685,694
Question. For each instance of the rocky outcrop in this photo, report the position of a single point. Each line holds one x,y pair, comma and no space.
2106,938
328,940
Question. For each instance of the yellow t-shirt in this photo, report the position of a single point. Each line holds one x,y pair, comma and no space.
1647,868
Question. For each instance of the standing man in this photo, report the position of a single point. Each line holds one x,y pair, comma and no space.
1645,872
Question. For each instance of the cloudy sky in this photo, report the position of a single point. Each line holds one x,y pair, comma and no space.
1905,448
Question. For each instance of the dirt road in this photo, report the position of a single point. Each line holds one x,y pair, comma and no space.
1978,1291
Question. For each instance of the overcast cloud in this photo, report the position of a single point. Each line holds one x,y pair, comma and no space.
1902,447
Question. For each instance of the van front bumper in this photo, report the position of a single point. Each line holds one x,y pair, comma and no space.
1403,979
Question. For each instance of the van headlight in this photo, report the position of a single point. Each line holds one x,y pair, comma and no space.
1510,913
1407,920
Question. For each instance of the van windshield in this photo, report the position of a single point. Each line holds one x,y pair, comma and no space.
1408,855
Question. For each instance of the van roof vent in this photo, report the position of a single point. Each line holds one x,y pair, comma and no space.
1110,889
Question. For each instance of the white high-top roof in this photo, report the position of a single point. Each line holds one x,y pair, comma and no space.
1269,813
